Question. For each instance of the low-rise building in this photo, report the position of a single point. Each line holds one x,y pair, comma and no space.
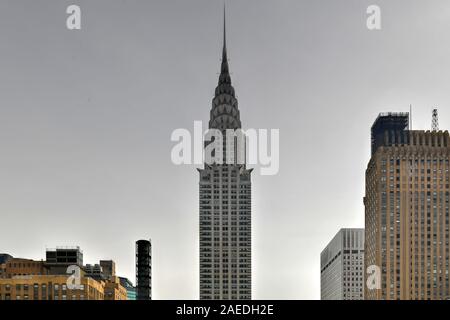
128,285
114,290
50,287
26,279
21,267
4,257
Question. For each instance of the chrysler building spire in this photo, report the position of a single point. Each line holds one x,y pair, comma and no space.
225,113
224,78
224,52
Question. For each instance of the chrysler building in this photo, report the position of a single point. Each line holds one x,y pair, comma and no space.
225,204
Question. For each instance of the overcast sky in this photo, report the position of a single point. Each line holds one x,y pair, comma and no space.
86,118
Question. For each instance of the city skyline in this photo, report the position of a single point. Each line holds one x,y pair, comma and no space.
85,123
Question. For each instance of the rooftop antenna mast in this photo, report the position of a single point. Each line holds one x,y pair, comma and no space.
435,120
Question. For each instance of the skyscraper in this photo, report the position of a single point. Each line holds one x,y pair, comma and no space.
342,266
407,211
143,270
225,204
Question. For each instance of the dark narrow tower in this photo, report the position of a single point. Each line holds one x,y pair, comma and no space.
225,204
143,270
435,121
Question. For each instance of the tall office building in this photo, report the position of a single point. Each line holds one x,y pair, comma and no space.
143,270
225,204
407,211
342,266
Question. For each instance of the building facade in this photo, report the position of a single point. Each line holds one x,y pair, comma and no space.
105,271
94,271
4,257
342,266
143,270
58,260
225,204
407,211
108,268
49,287
21,267
128,285
114,289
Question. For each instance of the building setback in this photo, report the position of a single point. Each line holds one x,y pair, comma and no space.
225,205
407,211
342,266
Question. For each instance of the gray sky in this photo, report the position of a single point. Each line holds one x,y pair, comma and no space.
86,118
